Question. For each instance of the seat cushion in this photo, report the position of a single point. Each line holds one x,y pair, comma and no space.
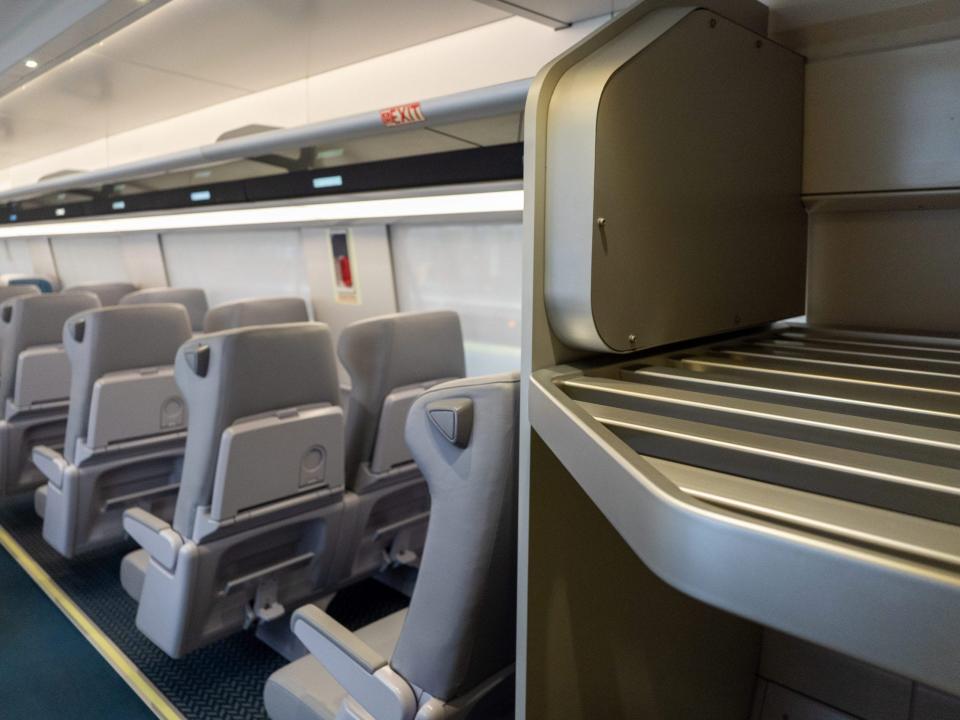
304,690
133,570
40,500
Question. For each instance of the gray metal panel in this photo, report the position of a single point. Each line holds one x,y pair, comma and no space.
647,240
43,375
839,681
840,595
269,458
884,120
929,704
781,704
390,448
885,270
133,404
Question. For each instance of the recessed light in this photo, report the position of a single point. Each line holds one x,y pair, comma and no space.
32,64
328,181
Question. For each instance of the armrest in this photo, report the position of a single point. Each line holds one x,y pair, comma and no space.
153,535
358,668
51,463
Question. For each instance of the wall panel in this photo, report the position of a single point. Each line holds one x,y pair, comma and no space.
372,274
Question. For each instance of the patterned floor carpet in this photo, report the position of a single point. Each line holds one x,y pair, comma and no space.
224,680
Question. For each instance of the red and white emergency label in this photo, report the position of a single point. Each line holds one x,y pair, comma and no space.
402,114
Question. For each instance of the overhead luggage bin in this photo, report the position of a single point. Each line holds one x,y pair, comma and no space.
797,477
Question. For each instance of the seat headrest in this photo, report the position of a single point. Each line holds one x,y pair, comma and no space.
113,339
237,373
460,628
193,299
389,352
256,311
10,291
30,320
108,293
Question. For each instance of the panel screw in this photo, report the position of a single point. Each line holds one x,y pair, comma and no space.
759,44
713,22
632,339
601,221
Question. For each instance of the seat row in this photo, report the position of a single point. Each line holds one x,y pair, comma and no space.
274,493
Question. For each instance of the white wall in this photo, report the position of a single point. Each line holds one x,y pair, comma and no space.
473,269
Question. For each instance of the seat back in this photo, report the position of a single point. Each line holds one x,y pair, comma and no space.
9,291
114,339
28,321
194,300
460,627
390,360
12,291
230,378
41,283
108,293
256,311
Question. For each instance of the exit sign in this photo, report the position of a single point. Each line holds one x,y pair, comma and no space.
402,115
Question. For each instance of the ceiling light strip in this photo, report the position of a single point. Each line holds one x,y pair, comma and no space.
502,201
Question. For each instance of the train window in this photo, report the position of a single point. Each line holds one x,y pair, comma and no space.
473,269
15,257
89,259
231,265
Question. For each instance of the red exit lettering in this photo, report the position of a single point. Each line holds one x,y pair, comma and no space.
402,115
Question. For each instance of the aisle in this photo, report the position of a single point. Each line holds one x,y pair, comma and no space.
47,668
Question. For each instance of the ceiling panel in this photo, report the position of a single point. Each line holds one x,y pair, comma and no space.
564,11
50,32
190,54
254,45
792,14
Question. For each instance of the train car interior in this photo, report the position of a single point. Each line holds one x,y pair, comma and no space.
480,359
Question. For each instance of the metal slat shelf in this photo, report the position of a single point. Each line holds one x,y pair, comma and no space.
843,439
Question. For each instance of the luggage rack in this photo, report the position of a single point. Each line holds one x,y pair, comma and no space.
842,446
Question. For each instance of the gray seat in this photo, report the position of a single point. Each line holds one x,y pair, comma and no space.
261,492
10,291
256,311
194,300
126,426
34,381
391,361
108,293
450,653
42,283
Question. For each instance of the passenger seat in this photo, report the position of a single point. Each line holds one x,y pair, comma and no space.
194,300
391,360
109,294
34,381
11,291
126,426
256,311
260,497
452,652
